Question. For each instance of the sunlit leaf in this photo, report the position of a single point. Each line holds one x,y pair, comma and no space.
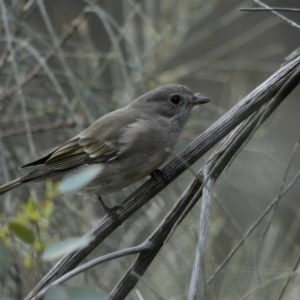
22,232
31,211
28,261
48,209
79,180
39,246
64,247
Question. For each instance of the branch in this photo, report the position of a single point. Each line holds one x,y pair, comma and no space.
156,240
277,14
38,128
297,10
129,251
48,56
212,170
203,229
191,154
226,151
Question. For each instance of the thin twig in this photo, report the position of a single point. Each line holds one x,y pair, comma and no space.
297,10
37,128
292,23
253,226
156,240
294,151
48,56
129,251
234,140
249,130
192,153
16,74
203,229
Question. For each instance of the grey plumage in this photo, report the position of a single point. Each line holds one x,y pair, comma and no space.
130,143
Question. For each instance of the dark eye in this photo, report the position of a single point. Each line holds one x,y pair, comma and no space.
175,99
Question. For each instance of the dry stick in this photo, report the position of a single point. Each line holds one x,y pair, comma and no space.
277,14
259,119
156,240
267,283
297,10
3,58
37,128
289,279
16,75
227,150
203,228
128,251
48,56
242,132
182,207
289,164
253,226
216,163
151,246
191,154
129,280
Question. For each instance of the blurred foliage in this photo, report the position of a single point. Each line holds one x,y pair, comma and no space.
25,234
65,63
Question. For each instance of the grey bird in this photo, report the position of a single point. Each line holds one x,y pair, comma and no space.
129,143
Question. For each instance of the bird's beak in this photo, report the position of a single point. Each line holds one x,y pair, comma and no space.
199,99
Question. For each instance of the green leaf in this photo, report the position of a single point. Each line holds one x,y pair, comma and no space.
31,211
86,294
56,293
66,246
22,232
79,180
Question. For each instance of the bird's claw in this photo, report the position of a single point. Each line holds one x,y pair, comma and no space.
111,211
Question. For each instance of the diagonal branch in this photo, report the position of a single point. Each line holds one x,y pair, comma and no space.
191,154
212,170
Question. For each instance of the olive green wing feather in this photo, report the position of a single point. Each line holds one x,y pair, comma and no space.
98,143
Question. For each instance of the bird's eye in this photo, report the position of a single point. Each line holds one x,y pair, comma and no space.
175,99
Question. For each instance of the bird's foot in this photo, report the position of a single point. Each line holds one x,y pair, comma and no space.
111,211
157,174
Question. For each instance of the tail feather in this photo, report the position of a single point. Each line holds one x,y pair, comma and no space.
10,185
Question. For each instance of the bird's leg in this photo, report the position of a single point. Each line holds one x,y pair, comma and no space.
112,211
158,173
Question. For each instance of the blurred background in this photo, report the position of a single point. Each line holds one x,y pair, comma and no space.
63,64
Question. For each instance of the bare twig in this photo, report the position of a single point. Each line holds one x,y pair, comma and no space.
292,23
156,240
294,151
289,279
38,128
129,251
297,10
250,129
203,229
215,165
48,56
194,151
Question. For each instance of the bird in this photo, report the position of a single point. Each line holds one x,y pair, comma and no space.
129,143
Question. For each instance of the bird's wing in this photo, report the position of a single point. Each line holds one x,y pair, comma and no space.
98,143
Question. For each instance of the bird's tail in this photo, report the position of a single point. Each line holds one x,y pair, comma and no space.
10,185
